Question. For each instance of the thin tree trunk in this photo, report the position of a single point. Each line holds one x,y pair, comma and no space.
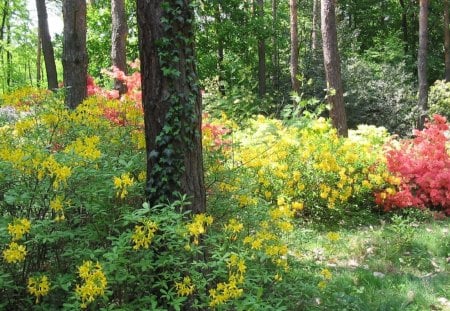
171,101
315,24
422,61
119,41
220,48
74,51
404,27
447,40
47,47
8,55
275,53
332,66
261,53
294,47
38,62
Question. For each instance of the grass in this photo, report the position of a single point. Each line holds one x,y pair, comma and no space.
399,263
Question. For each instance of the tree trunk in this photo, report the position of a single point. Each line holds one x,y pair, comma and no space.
38,62
172,102
422,61
315,22
332,66
119,41
220,48
74,51
275,53
447,40
261,53
294,47
404,27
47,47
8,55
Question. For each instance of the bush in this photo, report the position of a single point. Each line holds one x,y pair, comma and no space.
439,98
380,95
422,165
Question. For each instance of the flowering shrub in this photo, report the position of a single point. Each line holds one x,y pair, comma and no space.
422,165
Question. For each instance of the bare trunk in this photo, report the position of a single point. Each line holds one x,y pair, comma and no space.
74,51
38,63
294,47
332,66
172,102
275,53
422,61
261,54
8,55
404,27
447,41
47,47
220,48
315,22
119,41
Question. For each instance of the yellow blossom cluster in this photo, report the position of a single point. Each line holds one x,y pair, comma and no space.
326,278
18,228
229,290
85,147
59,172
234,226
57,206
143,234
198,225
15,251
94,283
185,287
122,184
38,286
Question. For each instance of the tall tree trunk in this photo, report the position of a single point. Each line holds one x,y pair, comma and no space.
314,27
294,47
447,41
47,47
275,53
8,54
119,41
172,102
422,61
261,53
404,27
220,48
38,62
332,66
74,51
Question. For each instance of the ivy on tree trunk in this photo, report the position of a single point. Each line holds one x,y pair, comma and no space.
172,102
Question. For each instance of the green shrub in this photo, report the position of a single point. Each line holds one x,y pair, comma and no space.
439,98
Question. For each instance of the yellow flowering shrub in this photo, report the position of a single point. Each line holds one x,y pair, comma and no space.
38,286
93,283
14,253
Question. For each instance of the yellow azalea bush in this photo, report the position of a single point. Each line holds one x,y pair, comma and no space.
76,231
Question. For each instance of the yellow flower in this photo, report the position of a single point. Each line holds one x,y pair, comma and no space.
298,206
185,288
326,274
143,234
38,286
234,226
18,228
122,184
333,236
14,253
198,225
94,283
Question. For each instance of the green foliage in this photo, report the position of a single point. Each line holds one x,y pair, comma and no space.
380,95
439,98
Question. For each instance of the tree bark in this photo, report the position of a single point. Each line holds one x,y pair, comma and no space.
404,27
38,63
447,41
171,101
294,47
332,66
315,22
119,41
74,51
275,53
47,47
261,53
220,48
422,61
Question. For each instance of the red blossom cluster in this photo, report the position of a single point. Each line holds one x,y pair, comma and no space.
423,164
214,134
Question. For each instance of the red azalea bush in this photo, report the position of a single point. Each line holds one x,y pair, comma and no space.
423,165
